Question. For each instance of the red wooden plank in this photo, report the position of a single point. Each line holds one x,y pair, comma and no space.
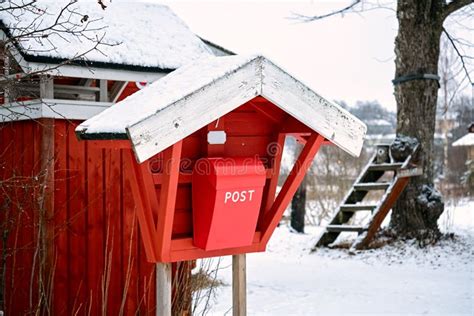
247,146
249,124
183,249
183,178
268,110
77,251
95,228
131,239
28,207
7,163
146,298
112,212
169,187
23,269
110,144
183,223
61,220
297,173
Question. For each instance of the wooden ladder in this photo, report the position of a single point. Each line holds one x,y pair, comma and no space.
380,163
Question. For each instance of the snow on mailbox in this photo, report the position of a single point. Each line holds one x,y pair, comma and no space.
206,142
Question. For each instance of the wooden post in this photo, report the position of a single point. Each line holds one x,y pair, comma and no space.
103,92
117,90
163,289
6,65
46,87
239,285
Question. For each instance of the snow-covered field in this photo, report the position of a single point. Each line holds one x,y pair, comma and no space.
398,279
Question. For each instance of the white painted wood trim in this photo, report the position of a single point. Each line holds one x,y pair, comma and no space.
95,72
51,108
182,118
163,289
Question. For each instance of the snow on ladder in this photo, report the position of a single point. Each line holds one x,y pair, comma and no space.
380,163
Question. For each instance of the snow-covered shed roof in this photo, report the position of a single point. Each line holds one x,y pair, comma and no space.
195,95
137,36
466,140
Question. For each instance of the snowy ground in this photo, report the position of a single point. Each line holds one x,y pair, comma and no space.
398,279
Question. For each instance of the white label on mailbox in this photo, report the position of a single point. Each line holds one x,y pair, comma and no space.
239,196
216,137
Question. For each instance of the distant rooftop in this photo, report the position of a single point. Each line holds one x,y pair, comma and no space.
466,140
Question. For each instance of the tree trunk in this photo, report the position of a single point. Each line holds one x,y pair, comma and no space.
298,207
417,52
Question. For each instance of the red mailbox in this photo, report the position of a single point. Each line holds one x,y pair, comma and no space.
226,198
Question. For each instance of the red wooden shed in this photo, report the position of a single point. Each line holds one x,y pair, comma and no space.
70,239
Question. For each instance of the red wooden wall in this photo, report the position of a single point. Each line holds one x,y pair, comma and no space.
98,259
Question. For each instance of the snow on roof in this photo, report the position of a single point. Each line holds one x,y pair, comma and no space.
466,140
158,95
195,95
146,34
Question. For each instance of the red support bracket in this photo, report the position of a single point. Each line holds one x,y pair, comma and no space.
169,188
273,216
144,208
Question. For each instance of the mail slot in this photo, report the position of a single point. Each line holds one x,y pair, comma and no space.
227,194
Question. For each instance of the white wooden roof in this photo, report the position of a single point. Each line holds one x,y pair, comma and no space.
195,95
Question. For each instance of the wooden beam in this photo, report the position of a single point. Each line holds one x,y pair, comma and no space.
163,289
169,188
46,196
239,285
75,89
143,207
297,173
117,90
262,108
6,72
269,196
46,87
86,82
103,93
381,213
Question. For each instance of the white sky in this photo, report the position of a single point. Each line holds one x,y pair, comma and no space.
346,58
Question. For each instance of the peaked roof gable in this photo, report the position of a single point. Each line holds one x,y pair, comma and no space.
136,35
195,95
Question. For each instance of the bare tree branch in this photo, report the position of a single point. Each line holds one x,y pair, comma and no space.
460,55
306,18
454,6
